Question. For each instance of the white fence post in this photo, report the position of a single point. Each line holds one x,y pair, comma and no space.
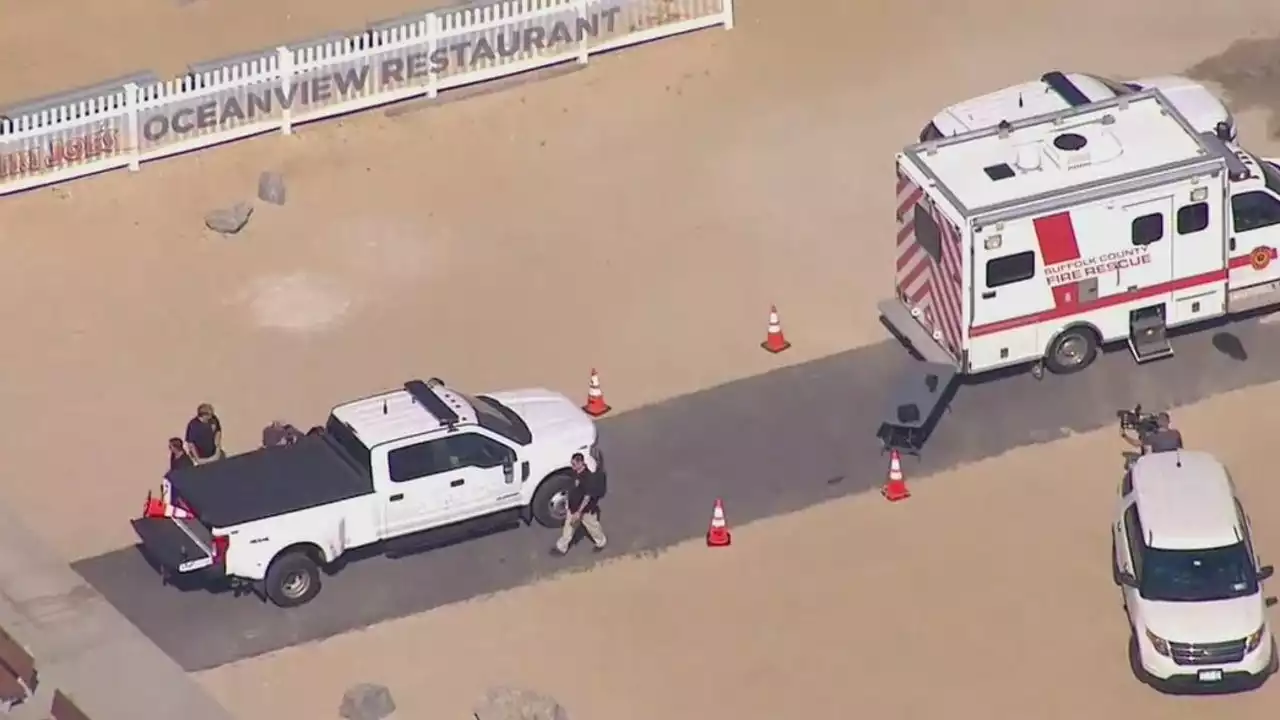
284,62
584,46
133,118
728,14
433,37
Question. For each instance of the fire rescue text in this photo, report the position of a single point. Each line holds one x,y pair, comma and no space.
1075,270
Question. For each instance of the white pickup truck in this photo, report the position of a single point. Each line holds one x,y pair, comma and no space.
387,469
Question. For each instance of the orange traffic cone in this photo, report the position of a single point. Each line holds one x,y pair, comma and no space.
895,488
718,532
775,342
596,406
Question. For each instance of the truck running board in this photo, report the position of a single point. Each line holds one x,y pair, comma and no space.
1148,336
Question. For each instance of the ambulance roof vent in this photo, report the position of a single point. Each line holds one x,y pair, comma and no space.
1001,171
1029,157
1070,142
1082,146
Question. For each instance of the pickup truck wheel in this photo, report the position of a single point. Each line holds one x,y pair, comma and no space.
292,580
551,500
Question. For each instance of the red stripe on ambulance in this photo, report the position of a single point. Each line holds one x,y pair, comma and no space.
1057,238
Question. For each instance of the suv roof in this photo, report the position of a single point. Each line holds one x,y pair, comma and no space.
1052,92
1186,501
406,412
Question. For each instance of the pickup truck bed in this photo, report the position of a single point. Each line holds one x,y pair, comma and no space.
269,482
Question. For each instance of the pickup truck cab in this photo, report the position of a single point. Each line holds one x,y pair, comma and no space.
388,467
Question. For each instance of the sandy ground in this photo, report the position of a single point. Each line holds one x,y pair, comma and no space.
638,216
988,590
651,207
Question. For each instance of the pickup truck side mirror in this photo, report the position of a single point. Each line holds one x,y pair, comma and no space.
1265,572
1127,580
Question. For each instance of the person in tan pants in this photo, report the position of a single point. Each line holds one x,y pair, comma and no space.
584,507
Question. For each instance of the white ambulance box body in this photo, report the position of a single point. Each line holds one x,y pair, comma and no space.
1014,240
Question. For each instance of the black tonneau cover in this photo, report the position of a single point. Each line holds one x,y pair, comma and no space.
269,482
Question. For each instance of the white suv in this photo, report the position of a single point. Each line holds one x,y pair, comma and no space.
1058,90
1184,559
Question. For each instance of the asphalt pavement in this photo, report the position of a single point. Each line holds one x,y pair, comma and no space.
768,445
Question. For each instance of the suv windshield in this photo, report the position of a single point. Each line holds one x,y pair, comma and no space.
1198,575
498,418
1270,174
1117,87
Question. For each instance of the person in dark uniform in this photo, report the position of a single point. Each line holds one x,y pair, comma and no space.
584,507
178,457
1163,439
204,436
280,433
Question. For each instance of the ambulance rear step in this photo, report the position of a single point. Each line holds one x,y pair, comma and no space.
1148,337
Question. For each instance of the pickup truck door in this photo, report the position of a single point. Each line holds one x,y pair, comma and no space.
487,472
422,488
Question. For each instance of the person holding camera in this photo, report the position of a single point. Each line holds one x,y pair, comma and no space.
1162,438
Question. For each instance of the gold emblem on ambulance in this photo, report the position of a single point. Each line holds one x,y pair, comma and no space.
1260,258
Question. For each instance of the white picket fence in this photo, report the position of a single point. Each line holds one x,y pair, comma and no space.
294,85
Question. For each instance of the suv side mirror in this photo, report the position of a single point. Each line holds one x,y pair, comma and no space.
1127,580
1265,572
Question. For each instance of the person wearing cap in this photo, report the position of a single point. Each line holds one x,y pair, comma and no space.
204,436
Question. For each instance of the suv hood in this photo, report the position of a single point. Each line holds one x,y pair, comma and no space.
1200,107
1204,622
551,417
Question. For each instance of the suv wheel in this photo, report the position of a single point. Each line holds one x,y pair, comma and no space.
551,500
292,580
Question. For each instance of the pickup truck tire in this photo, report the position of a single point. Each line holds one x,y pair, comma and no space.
551,500
293,579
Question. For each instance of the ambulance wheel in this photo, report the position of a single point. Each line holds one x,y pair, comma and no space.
1072,351
292,580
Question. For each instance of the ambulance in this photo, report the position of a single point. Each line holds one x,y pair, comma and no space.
1040,240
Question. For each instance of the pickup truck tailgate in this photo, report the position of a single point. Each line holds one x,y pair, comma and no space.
178,544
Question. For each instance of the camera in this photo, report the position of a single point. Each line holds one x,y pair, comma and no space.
1142,422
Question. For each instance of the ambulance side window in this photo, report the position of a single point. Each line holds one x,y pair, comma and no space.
1253,210
1148,229
1011,269
1193,218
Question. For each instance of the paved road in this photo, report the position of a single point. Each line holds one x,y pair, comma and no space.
770,444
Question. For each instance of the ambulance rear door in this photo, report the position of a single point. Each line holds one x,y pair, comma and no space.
1010,294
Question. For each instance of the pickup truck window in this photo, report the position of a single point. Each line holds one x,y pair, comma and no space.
473,450
418,461
445,454
350,444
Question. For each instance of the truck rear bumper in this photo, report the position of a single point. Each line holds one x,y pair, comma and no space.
177,546
904,326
